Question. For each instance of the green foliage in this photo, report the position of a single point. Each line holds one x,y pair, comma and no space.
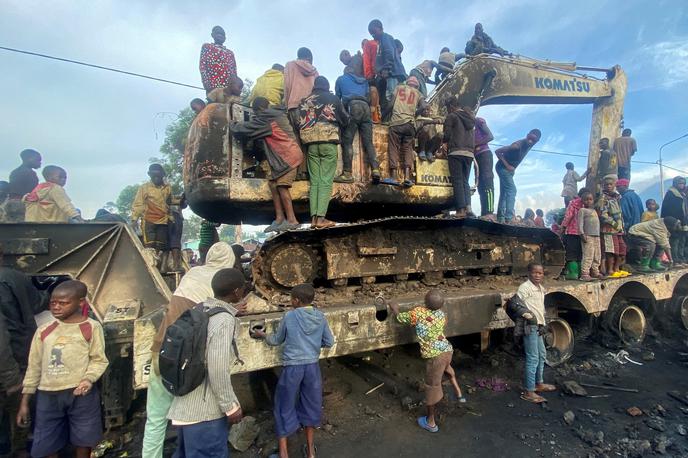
192,228
246,90
125,199
172,149
227,233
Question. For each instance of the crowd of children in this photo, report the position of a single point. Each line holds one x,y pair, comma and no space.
373,88
603,224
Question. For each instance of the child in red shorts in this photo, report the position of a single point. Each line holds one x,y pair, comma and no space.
429,322
67,357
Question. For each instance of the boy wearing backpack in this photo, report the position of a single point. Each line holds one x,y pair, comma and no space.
67,357
298,396
201,415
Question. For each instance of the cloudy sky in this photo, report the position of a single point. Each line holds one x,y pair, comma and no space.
102,127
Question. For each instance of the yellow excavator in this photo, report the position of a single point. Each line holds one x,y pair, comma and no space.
392,232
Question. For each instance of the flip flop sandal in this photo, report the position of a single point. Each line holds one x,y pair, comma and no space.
534,400
325,225
462,400
423,423
546,389
390,181
273,227
287,226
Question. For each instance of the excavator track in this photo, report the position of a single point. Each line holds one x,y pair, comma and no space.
391,249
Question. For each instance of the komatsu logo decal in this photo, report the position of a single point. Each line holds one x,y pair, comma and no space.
435,179
555,84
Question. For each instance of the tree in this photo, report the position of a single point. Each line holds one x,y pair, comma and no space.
192,228
228,233
246,90
125,199
172,149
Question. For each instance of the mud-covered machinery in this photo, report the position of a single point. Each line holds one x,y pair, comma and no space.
389,231
123,286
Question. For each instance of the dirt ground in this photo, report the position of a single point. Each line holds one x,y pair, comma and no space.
494,421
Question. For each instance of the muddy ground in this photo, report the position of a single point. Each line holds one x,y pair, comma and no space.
494,421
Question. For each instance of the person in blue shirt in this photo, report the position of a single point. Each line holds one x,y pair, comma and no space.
298,396
389,70
631,204
354,92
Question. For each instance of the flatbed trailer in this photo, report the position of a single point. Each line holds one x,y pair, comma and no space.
128,296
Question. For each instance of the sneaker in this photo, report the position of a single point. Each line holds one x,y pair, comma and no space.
345,177
422,156
431,157
375,173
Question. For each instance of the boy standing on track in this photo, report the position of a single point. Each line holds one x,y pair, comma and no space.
533,294
429,321
298,396
67,357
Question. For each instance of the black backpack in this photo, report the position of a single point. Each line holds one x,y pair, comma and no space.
182,357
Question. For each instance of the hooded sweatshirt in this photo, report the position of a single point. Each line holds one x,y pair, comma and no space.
458,133
195,287
303,331
49,203
299,76
274,134
350,87
270,86
321,115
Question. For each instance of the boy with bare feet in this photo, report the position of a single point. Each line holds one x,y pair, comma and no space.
298,397
429,321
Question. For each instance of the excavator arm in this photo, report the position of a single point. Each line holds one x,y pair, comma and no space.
492,80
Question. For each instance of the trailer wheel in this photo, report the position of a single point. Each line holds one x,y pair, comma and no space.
679,308
631,325
559,341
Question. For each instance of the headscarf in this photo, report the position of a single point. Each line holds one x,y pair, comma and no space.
195,284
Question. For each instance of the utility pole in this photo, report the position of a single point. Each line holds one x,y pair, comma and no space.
661,167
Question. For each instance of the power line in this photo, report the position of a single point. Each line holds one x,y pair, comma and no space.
86,64
559,153
101,67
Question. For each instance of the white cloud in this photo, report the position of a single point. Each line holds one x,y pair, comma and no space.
664,63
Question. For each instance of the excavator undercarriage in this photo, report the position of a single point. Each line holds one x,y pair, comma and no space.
394,248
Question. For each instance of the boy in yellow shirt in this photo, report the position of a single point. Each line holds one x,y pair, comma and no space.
67,357
48,202
152,205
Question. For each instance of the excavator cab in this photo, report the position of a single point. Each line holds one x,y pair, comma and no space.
226,180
